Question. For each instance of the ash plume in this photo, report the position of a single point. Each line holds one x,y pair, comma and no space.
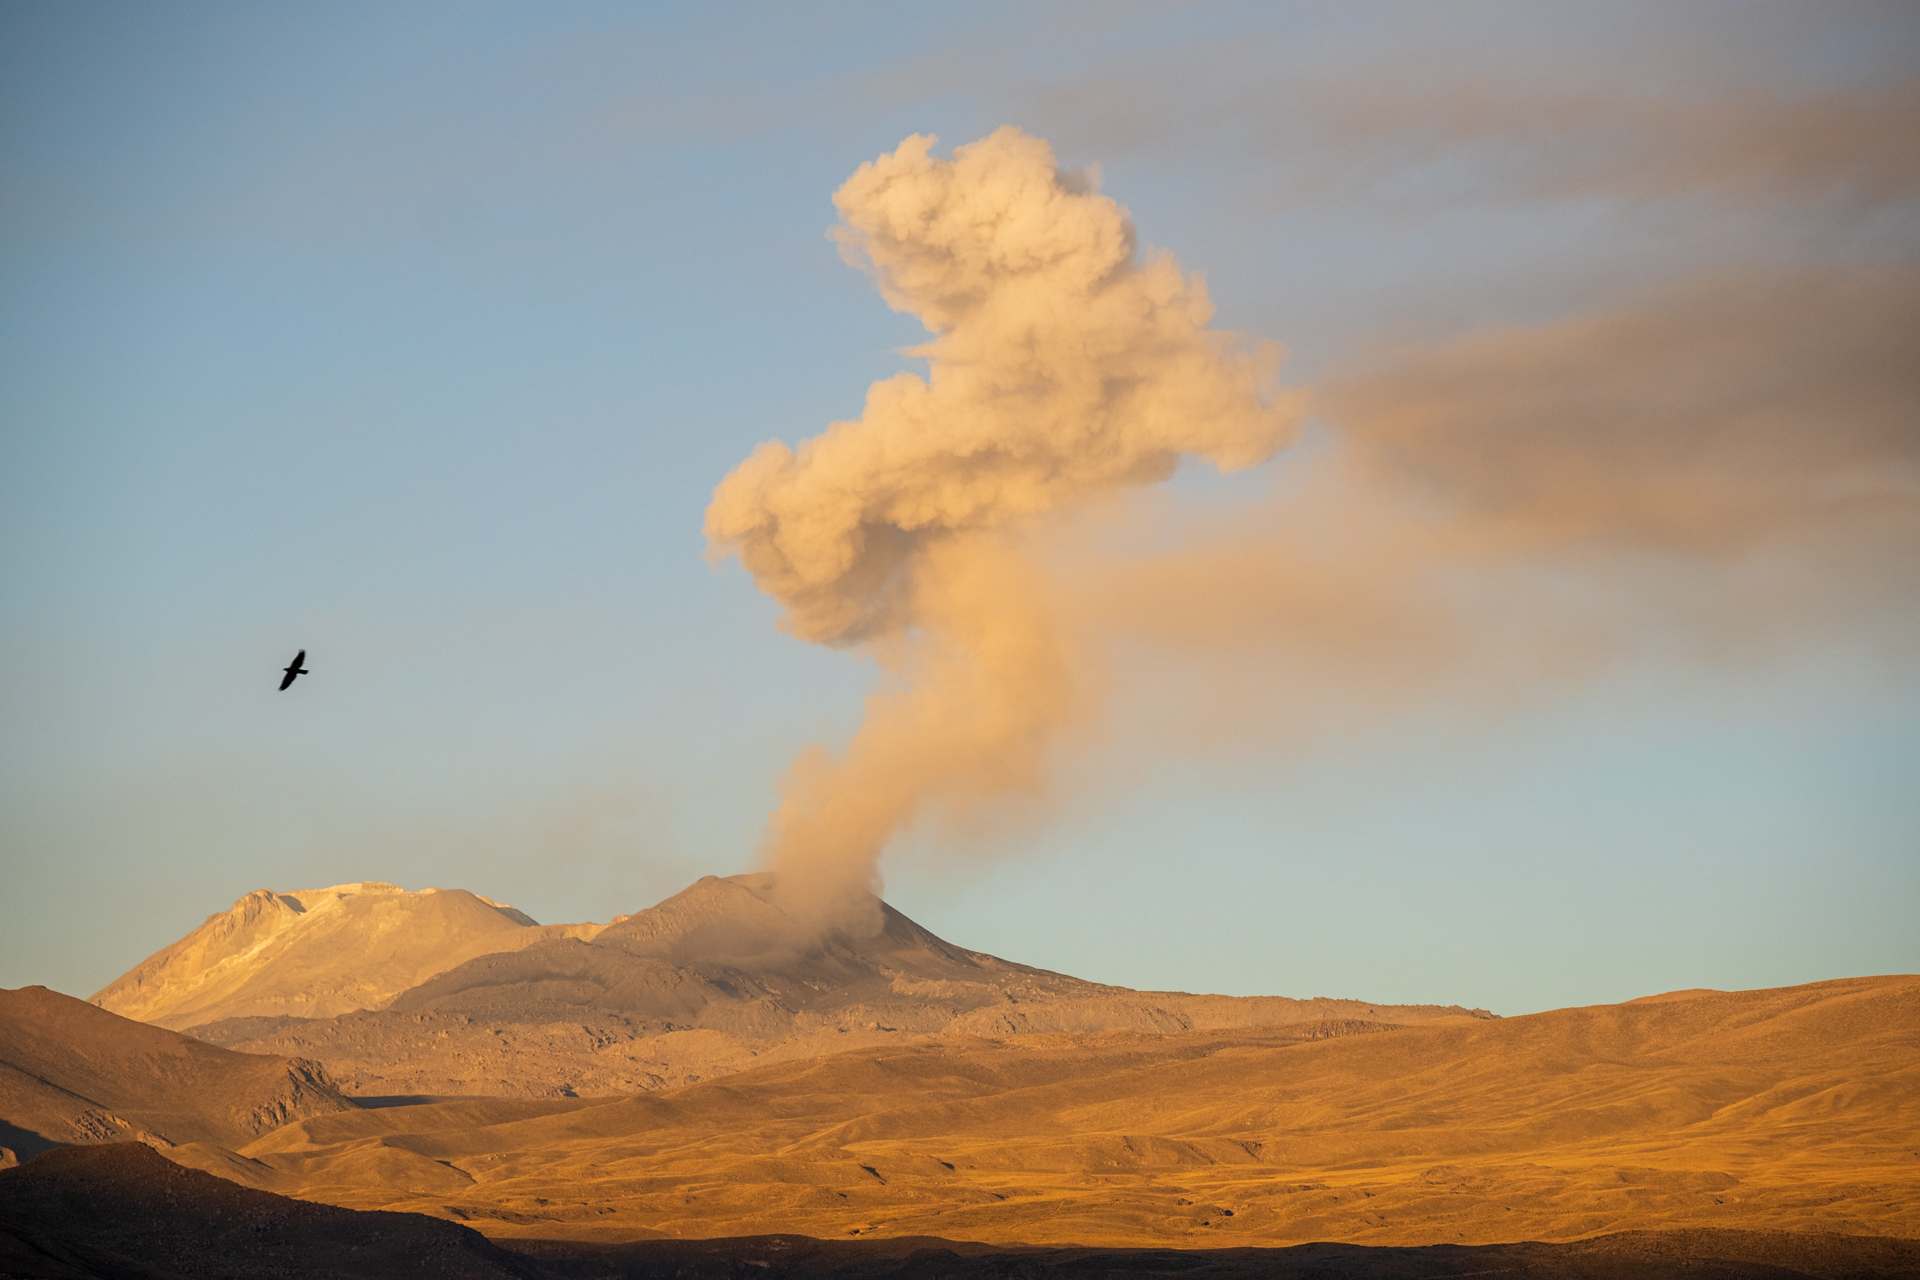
1064,366
1707,476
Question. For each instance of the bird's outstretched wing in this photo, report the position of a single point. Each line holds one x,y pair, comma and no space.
287,680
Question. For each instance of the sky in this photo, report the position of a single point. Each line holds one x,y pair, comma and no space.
1560,644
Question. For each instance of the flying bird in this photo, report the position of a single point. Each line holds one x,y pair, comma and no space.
294,670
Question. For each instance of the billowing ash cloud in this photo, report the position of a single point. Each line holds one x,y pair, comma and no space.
1713,474
1063,366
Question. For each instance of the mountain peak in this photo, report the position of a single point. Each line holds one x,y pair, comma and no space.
715,918
317,952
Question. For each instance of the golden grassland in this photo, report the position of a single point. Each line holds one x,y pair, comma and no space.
1790,1109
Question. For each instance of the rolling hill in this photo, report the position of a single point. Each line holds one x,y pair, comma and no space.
74,1074
1795,1109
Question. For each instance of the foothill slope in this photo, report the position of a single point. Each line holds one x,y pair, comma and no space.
74,1074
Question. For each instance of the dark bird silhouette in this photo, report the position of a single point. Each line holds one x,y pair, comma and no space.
295,669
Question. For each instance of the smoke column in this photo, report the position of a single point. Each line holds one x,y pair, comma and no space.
1063,366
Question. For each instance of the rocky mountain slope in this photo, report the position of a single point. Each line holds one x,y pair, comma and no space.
314,953
714,979
74,1074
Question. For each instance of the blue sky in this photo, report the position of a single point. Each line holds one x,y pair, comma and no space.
419,335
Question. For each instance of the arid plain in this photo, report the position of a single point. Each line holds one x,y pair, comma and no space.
899,1085
1793,1109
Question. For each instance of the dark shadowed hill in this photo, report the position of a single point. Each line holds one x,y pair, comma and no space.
717,978
1632,1255
123,1213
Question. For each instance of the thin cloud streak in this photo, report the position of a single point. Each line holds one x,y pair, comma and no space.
1727,472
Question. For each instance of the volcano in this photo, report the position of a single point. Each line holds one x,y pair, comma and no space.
715,978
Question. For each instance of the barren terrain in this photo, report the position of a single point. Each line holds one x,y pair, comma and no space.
705,1070
1794,1109
119,1212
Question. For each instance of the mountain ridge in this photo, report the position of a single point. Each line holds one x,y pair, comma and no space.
717,978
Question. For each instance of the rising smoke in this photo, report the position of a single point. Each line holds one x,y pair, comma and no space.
1063,366
1720,470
